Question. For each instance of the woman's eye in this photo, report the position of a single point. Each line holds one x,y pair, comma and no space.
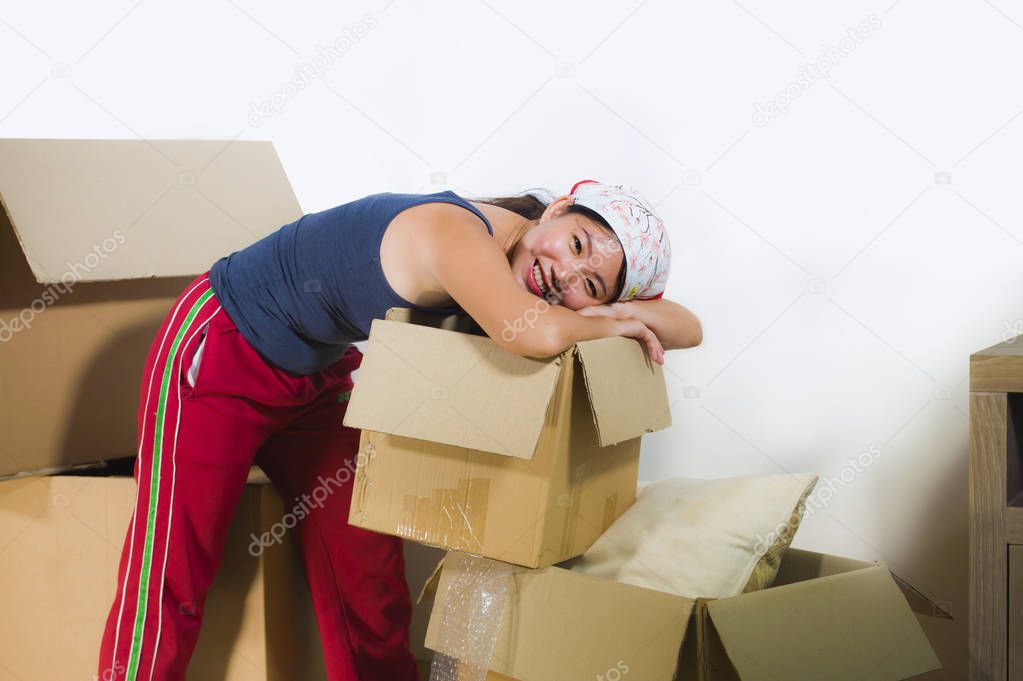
579,248
593,289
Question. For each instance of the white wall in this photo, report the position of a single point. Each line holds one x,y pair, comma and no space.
845,256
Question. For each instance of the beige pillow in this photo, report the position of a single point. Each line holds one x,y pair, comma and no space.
709,538
766,568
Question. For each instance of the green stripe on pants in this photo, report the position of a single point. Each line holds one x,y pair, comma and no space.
134,654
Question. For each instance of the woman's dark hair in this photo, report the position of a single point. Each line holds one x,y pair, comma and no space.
531,208
527,206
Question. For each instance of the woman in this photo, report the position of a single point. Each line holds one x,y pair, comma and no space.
253,365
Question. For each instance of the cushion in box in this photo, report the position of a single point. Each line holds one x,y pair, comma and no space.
710,538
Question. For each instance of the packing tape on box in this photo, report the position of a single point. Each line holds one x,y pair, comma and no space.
471,615
453,517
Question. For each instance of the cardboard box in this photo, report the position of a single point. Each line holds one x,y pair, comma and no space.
825,618
97,240
467,446
61,539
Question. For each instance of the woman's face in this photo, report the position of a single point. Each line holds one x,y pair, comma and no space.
578,259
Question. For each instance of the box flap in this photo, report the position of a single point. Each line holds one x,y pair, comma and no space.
451,388
460,321
843,627
627,392
429,588
799,565
165,207
920,602
561,625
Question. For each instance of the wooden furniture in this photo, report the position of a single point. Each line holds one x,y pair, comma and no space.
996,513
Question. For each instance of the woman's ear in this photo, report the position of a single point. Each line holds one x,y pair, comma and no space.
557,207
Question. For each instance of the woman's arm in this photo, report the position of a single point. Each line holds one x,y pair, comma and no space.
675,326
465,262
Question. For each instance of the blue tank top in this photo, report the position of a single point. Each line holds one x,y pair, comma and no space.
302,294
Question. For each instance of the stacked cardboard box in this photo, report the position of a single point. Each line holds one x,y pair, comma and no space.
470,447
528,461
97,239
61,538
825,617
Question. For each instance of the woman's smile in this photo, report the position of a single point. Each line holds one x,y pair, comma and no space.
540,288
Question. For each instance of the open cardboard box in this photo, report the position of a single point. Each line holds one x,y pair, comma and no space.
97,240
61,538
825,618
467,446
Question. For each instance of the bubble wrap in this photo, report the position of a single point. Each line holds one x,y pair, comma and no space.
471,617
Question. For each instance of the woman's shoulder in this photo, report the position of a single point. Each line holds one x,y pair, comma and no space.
413,240
444,221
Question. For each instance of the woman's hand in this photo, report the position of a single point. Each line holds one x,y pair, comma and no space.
628,326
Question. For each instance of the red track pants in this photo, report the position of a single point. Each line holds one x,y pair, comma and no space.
196,445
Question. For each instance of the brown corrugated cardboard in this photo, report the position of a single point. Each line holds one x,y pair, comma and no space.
462,389
467,446
451,388
825,617
97,239
61,539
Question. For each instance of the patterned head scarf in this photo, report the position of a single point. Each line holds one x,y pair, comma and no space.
642,234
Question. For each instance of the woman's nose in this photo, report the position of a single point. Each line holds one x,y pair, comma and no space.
566,274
